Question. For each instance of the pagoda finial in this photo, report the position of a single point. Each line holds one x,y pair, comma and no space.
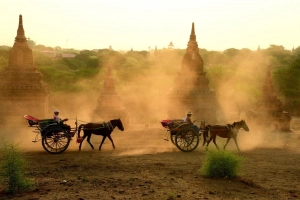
20,28
20,32
20,20
193,35
193,29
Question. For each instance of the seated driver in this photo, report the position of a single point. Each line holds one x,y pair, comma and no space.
60,121
56,117
188,120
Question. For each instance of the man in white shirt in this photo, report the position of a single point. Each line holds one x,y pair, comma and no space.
56,117
188,120
60,121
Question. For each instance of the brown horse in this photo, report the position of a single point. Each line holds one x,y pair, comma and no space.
225,131
105,129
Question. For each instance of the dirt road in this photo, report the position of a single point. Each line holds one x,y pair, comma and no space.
144,166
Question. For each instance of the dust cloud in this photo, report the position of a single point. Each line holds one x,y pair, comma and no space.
236,94
144,95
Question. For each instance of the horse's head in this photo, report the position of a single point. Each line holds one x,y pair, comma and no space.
242,124
117,123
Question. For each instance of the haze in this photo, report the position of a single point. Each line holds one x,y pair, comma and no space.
146,24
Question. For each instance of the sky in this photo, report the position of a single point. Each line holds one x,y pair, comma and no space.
144,24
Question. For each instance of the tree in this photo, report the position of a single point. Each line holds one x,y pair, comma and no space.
41,59
92,63
281,57
31,43
40,47
231,53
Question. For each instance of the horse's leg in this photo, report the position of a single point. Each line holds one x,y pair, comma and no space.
214,140
88,139
109,137
104,136
204,137
226,143
84,136
237,146
208,142
204,140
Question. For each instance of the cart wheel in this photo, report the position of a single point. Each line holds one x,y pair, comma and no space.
56,141
172,136
187,139
173,139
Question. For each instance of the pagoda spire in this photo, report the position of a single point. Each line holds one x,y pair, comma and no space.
192,54
192,43
268,88
193,35
20,32
258,51
109,83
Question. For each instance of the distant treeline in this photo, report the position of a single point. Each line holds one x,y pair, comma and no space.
86,71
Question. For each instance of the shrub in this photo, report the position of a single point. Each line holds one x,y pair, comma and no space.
220,164
12,169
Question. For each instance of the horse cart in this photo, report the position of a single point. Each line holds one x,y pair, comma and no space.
55,136
182,135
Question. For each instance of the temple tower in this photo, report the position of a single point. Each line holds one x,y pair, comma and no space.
191,90
269,109
109,103
22,90
171,46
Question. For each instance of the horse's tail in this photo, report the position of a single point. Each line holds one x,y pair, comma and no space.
79,129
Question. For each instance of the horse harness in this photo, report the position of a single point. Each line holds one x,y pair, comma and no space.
226,127
102,125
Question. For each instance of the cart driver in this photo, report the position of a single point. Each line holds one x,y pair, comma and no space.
188,120
56,117
60,121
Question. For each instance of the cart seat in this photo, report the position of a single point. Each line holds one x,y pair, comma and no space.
172,123
28,117
31,120
35,121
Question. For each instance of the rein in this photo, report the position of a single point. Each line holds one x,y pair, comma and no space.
110,126
107,125
226,128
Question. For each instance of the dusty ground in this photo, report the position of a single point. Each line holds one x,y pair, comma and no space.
144,166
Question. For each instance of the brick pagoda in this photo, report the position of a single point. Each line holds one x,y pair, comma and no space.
109,103
191,90
268,110
22,90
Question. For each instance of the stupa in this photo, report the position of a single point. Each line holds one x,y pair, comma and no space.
109,103
268,111
22,90
191,90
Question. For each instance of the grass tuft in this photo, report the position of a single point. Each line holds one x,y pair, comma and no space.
221,164
13,168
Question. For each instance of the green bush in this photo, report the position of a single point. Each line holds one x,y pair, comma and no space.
221,164
12,169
